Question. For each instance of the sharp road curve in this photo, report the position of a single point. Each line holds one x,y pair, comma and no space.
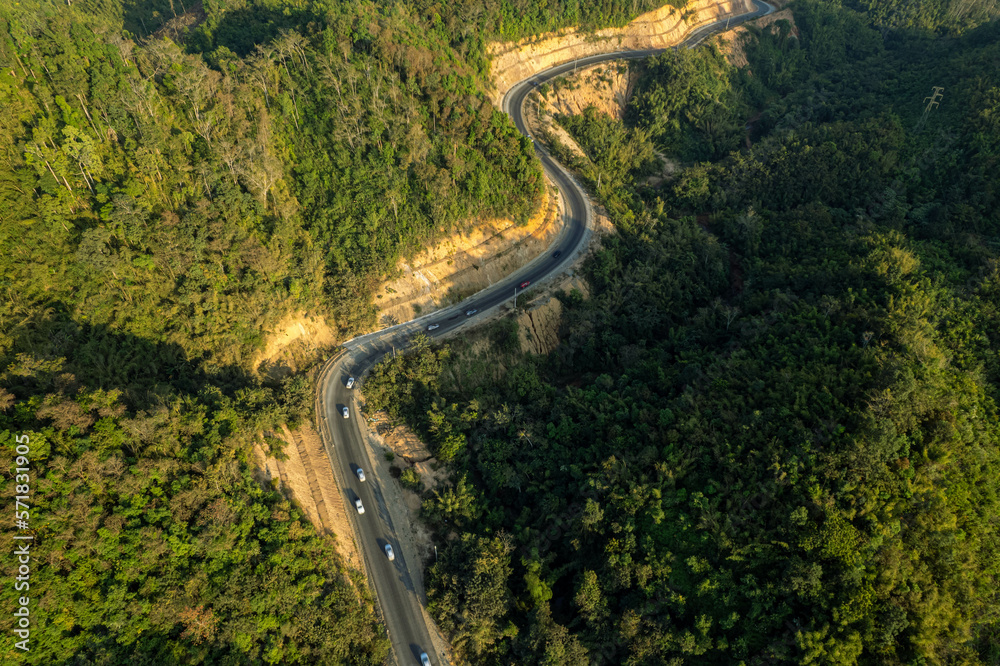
343,437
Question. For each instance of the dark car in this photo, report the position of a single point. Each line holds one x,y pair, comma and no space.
557,254
525,284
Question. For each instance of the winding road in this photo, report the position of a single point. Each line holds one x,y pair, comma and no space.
344,438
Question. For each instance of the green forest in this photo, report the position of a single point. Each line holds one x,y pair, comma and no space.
770,434
175,178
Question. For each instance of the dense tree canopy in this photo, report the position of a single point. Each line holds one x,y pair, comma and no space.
770,435
154,544
175,180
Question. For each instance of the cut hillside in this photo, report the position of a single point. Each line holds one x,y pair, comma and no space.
293,345
304,474
606,86
466,262
539,322
733,42
660,28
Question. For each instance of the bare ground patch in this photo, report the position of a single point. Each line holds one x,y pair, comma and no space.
732,43
409,451
606,86
464,263
307,478
295,344
511,62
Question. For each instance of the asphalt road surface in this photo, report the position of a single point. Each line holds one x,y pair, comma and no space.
346,449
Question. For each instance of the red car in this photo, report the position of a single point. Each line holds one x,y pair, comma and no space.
525,283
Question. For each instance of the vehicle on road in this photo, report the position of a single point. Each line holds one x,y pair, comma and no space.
350,382
525,284
359,506
346,413
361,474
405,623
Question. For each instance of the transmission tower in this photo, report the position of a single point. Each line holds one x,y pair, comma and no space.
933,101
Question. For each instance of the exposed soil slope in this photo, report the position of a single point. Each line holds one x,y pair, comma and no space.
464,263
733,41
538,325
296,343
606,86
660,28
306,476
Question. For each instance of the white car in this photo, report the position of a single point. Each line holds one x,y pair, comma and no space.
388,552
350,382
433,326
346,413
361,474
359,506
424,659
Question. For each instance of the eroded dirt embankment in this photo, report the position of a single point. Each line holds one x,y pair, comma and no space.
733,42
305,476
296,343
658,29
465,263
538,323
606,86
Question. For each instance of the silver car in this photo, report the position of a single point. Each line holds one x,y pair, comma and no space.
361,474
388,552
346,413
469,313
350,382
433,326
359,506
424,659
